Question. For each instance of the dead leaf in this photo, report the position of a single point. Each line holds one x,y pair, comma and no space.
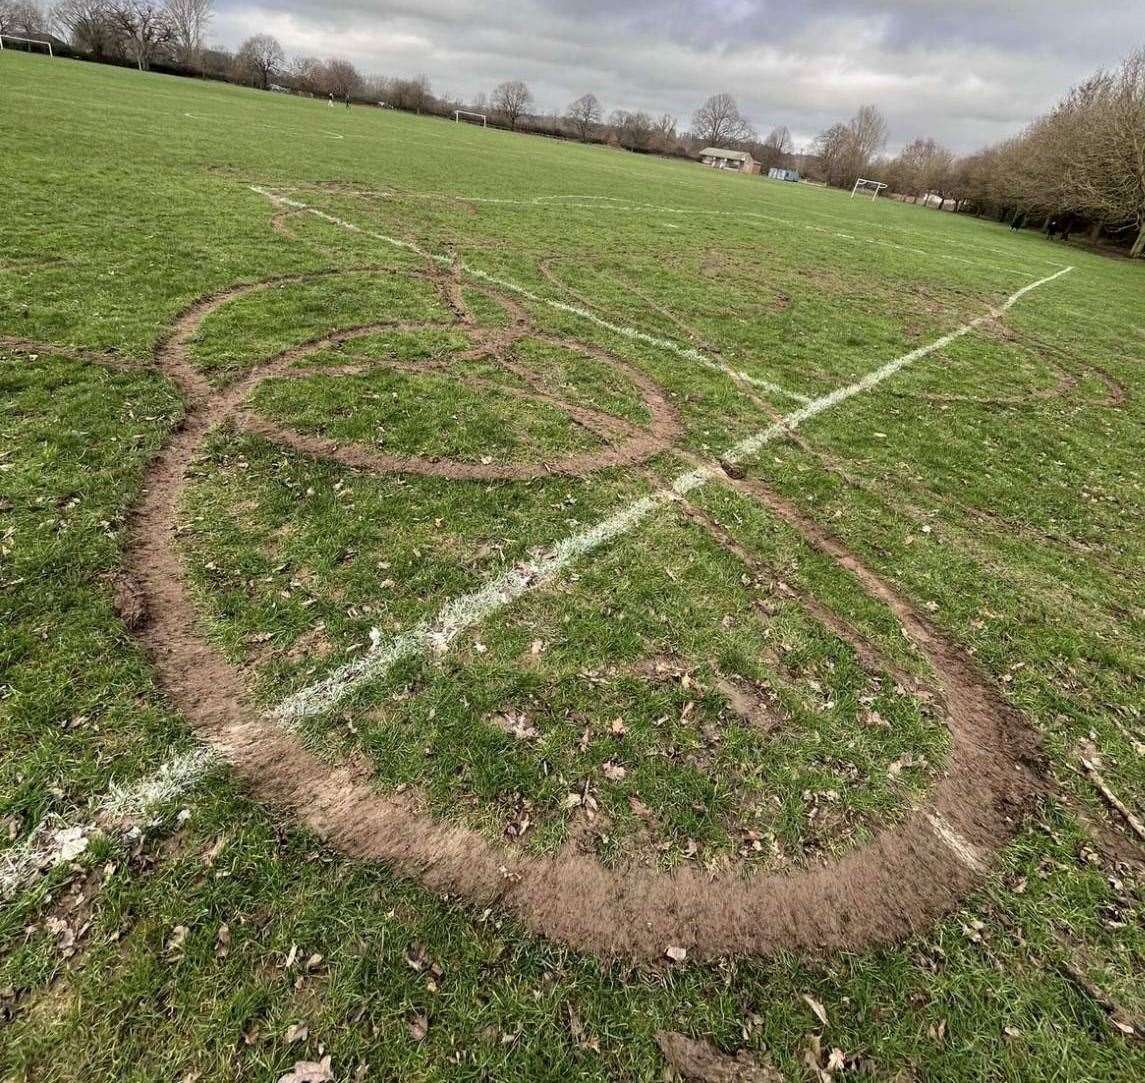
817,1008
676,954
613,771
212,855
297,1033
175,942
638,807
418,1028
309,1071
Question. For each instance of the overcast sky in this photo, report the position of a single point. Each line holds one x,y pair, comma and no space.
967,73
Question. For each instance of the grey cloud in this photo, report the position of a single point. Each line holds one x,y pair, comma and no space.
967,74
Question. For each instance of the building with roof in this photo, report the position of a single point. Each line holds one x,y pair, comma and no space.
738,160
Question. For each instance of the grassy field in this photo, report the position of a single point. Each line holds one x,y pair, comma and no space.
475,607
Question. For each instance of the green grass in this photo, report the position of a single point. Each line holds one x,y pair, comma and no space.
1012,513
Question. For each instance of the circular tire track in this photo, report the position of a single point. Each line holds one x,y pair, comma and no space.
897,884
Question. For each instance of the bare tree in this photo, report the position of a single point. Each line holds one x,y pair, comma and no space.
304,74
413,95
869,133
718,121
262,58
89,27
584,114
513,99
633,130
832,153
340,78
189,22
1106,170
146,29
845,151
22,19
776,149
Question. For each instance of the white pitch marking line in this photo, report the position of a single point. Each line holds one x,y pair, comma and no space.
56,841
469,610
689,353
962,848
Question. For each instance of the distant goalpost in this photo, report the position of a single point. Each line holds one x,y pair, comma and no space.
27,41
864,185
470,118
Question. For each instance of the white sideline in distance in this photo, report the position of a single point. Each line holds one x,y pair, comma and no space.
689,353
469,610
56,841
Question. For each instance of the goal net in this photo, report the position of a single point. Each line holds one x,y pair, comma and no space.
460,115
863,185
27,44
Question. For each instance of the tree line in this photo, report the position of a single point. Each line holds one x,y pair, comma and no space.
1082,163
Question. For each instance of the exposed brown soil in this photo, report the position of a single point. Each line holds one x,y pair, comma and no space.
897,884
701,1062
749,705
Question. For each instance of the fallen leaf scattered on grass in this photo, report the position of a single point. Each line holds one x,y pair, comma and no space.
418,1027
677,955
309,1071
817,1008
613,771
176,939
299,1032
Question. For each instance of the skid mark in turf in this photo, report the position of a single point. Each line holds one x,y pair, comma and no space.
470,609
902,880
905,878
688,353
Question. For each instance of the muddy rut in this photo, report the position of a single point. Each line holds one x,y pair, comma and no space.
898,883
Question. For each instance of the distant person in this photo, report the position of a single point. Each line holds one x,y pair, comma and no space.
1067,228
1052,228
331,99
347,99
1019,222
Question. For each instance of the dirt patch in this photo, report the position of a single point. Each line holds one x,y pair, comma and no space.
750,705
701,1062
895,885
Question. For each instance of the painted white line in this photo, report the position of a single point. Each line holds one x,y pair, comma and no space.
57,841
470,609
688,353
963,849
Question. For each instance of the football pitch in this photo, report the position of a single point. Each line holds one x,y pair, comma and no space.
479,607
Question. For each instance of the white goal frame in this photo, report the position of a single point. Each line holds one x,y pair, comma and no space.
28,41
874,186
459,113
